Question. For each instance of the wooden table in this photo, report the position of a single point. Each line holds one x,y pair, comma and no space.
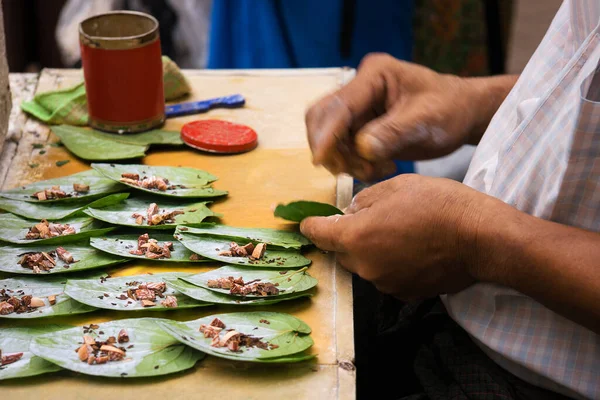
279,170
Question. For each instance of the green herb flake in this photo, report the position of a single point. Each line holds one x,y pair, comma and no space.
33,165
38,146
62,162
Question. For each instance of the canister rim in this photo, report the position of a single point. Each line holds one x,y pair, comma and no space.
121,42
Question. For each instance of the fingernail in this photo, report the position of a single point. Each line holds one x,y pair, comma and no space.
370,147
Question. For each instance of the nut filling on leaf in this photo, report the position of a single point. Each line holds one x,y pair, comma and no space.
232,339
237,286
155,217
152,182
47,230
147,293
45,261
55,192
95,351
15,301
151,248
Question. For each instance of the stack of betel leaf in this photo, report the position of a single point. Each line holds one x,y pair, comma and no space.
64,234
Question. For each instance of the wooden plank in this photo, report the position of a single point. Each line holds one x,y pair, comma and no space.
22,87
279,170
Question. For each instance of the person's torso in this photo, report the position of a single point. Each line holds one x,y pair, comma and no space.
541,154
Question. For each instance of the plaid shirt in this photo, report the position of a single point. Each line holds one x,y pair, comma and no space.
541,154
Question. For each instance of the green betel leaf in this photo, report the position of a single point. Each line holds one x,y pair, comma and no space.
289,334
56,211
122,245
84,256
298,210
211,247
17,340
42,288
122,214
274,237
89,146
149,352
155,136
201,294
288,282
98,185
186,182
111,293
13,230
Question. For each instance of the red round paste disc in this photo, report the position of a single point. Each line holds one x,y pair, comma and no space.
219,136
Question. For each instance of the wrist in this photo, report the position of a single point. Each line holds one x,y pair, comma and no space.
489,232
485,97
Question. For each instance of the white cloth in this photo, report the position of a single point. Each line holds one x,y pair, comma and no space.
541,154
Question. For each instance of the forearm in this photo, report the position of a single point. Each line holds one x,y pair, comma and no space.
555,264
487,95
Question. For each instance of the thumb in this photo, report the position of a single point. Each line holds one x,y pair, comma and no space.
395,134
325,232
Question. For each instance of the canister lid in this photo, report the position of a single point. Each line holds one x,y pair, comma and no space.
219,136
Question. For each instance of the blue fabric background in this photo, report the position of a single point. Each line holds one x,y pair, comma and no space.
306,34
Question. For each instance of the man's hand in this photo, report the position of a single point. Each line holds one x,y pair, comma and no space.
398,110
412,236
415,237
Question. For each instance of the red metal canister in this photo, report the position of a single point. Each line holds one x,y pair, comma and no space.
122,66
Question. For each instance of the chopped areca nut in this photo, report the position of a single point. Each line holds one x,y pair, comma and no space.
36,302
88,340
11,358
52,299
64,255
84,352
259,251
195,257
123,337
152,210
151,248
148,303
46,230
81,188
139,218
6,308
169,302
237,286
218,323
129,175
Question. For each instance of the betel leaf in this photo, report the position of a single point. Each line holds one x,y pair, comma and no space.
211,246
155,136
56,211
201,294
110,293
17,340
289,333
89,146
121,245
99,186
149,352
188,182
42,288
298,210
121,213
274,237
287,282
13,230
86,257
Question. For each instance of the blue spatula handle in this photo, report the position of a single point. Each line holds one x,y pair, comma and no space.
196,107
